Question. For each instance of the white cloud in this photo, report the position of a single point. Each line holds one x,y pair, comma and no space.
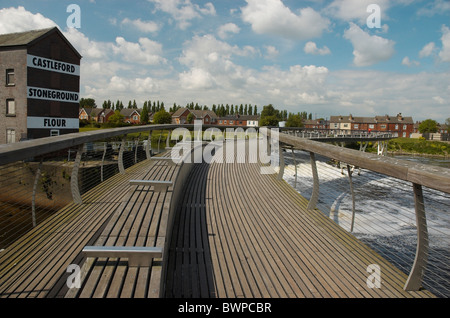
197,78
18,19
435,7
406,61
368,49
311,48
145,52
444,54
87,48
273,17
427,50
355,10
144,26
226,29
183,11
271,52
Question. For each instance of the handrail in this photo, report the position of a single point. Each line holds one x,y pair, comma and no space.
434,177
31,148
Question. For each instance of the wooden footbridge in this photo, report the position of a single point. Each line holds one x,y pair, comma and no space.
199,229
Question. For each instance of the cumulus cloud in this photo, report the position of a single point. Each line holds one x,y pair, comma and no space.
144,26
273,17
368,49
145,52
354,10
226,29
407,62
183,11
86,47
311,48
427,50
197,78
444,54
19,20
271,52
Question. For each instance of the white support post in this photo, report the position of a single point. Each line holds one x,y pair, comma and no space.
74,178
122,149
414,282
315,194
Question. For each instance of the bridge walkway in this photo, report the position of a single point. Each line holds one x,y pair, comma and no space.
113,214
239,233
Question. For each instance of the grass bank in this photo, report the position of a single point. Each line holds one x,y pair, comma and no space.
414,146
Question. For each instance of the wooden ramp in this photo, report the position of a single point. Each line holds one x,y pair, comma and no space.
245,234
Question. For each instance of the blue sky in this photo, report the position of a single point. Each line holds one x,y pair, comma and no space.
316,56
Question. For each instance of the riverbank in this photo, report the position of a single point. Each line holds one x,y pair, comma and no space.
415,147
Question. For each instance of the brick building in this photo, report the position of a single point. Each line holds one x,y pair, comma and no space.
39,85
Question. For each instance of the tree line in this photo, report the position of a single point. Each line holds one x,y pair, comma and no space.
269,116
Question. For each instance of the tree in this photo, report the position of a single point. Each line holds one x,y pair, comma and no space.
190,118
447,122
162,117
144,114
294,120
428,126
270,116
88,102
116,119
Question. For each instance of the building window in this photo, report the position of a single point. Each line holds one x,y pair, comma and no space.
396,127
10,136
336,125
231,122
404,127
54,132
220,122
10,107
345,125
383,126
10,77
356,126
371,126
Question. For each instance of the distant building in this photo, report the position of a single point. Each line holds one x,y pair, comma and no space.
131,116
207,117
399,125
238,120
315,124
39,88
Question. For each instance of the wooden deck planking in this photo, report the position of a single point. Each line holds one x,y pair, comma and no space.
263,242
139,221
34,265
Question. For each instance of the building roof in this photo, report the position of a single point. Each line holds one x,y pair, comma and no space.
30,37
127,112
196,112
399,119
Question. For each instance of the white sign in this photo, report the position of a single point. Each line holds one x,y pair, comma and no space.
52,123
52,65
52,94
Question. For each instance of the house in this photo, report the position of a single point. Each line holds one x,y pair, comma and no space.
39,85
399,125
85,114
238,120
131,116
315,124
180,117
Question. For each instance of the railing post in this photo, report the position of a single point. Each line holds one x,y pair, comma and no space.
168,140
295,164
414,282
315,194
349,171
282,164
33,199
103,161
122,149
148,149
74,178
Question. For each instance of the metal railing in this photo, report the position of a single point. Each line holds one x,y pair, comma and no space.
411,202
